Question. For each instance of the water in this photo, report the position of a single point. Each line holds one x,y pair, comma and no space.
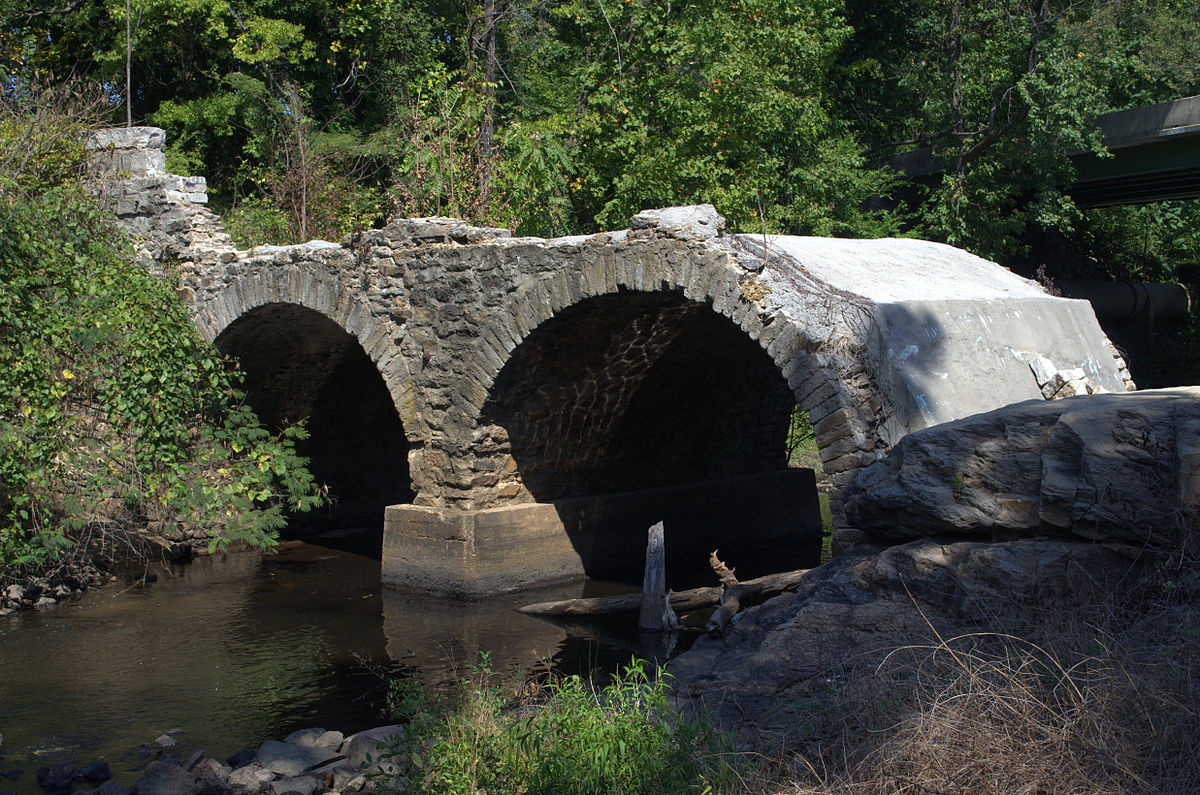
235,649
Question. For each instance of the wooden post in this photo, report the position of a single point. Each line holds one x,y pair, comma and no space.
656,614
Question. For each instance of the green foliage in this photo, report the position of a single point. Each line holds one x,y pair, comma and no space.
313,118
1148,242
801,441
720,101
256,222
575,738
1004,93
114,410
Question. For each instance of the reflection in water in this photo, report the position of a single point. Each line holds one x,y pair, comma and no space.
441,639
244,647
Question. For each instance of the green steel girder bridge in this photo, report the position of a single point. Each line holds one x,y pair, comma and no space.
1155,156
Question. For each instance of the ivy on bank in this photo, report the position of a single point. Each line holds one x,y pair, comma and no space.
113,411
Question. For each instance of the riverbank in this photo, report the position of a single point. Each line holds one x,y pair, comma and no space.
306,761
881,674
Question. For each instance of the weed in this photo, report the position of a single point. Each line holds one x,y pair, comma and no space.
567,736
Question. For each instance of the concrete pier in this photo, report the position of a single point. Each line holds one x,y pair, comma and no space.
769,522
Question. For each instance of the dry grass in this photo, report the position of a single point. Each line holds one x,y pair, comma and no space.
1105,701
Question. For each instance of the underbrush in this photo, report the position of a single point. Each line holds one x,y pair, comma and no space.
115,416
567,735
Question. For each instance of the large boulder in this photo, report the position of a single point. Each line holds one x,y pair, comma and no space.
1115,467
861,607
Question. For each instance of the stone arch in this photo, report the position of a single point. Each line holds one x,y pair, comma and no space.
302,363
310,288
827,378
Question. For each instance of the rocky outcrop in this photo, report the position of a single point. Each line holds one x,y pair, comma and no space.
1119,467
857,609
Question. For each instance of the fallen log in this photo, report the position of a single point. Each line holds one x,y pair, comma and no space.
681,601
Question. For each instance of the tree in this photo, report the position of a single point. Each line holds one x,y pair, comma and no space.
721,101
114,411
1004,92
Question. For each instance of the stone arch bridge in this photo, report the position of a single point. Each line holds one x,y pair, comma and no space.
525,408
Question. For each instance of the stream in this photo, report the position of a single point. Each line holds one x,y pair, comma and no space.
237,648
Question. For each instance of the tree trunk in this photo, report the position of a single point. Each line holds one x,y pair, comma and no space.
656,614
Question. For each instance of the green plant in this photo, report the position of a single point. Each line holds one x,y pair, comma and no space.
801,442
569,737
115,413
956,487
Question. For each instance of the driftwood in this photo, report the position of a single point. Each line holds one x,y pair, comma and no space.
681,601
655,613
734,596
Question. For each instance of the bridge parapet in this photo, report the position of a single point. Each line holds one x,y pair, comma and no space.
528,370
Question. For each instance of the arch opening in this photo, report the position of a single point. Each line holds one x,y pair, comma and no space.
300,365
633,407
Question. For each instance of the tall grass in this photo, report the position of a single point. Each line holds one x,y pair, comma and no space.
565,736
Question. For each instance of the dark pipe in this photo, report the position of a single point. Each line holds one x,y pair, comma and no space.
1124,301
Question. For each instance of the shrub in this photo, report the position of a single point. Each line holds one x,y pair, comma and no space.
569,736
113,411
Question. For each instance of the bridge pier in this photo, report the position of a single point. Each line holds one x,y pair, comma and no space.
771,519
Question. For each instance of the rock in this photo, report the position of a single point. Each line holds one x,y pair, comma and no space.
96,772
213,768
864,605
288,759
302,785
1109,467
702,220
164,778
251,777
1043,369
45,601
315,738
57,777
113,787
349,781
242,758
15,592
211,777
331,739
166,741
371,742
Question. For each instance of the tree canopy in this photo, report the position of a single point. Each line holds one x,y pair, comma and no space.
313,117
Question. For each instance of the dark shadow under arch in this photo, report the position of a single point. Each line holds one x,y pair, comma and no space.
643,392
300,365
